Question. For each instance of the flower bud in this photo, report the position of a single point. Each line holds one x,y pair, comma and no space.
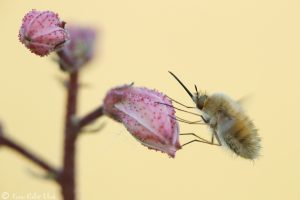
150,122
42,32
80,50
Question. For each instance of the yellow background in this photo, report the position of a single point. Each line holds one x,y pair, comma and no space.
236,47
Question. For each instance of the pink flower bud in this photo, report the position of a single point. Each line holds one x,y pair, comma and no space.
151,123
42,32
80,50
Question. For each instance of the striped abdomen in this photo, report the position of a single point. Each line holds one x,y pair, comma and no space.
242,138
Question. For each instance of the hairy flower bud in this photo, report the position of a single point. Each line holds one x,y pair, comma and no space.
150,122
42,32
80,50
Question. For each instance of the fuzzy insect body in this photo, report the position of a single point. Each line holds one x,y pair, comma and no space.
228,122
234,128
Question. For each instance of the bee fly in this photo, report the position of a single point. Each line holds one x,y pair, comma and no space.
228,122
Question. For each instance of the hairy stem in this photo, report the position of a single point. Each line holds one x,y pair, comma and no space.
7,142
90,117
68,173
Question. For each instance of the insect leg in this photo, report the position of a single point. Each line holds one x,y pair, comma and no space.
205,120
212,138
186,121
181,103
217,137
193,134
198,141
180,109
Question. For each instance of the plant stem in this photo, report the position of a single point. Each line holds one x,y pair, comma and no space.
65,177
90,117
27,154
68,173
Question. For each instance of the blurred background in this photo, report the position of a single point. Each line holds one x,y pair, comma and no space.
237,47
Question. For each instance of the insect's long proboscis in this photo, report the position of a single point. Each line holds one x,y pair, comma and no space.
184,87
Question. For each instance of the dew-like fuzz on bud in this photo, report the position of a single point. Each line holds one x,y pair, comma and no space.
141,112
42,32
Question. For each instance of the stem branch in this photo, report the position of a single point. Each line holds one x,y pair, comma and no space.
5,141
90,117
